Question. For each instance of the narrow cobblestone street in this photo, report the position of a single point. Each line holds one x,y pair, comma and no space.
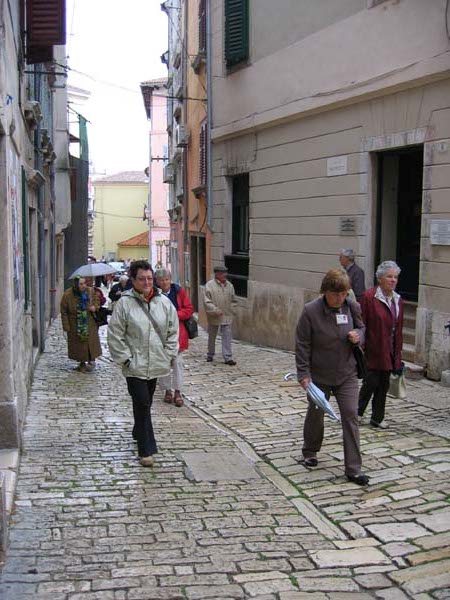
227,512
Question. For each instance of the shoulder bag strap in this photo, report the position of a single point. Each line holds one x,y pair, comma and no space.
151,319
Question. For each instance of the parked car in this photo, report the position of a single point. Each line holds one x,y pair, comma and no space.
118,265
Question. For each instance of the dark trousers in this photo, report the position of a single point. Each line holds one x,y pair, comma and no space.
377,384
141,392
347,398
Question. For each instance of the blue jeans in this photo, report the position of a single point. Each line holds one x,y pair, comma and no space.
141,392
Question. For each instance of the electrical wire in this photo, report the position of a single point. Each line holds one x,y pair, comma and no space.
98,212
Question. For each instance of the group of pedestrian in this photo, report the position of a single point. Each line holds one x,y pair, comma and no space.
147,336
328,330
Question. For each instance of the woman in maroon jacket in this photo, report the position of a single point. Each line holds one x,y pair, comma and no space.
182,303
382,311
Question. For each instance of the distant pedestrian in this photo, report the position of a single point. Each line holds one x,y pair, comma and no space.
326,332
356,274
118,289
143,339
78,305
382,310
220,303
179,298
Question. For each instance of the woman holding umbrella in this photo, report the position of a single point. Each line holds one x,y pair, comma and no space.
328,328
78,305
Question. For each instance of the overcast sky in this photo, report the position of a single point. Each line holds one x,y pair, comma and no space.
115,43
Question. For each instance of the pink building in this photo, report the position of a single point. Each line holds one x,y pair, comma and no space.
154,93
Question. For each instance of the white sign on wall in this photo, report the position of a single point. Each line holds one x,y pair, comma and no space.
440,233
337,165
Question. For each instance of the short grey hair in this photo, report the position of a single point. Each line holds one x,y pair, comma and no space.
348,252
161,273
386,266
123,278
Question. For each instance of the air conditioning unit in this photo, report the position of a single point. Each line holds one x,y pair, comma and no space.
181,136
168,173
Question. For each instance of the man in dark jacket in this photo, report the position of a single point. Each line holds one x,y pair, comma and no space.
118,288
356,274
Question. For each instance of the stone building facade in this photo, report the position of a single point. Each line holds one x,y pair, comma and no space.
331,129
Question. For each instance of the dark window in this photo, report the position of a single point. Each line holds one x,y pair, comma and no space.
240,218
202,155
236,31
25,242
238,262
202,27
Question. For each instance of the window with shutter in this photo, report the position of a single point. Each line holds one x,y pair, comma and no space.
236,31
46,22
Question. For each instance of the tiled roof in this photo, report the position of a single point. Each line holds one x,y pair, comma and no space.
125,177
141,239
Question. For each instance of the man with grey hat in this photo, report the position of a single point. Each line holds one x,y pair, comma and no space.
356,274
220,302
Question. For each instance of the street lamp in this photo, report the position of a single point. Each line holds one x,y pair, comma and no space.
159,245
167,245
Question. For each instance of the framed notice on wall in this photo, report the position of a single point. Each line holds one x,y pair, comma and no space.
440,233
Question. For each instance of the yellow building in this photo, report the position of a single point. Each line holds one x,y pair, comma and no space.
120,202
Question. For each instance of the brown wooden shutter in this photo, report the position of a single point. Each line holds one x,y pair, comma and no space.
202,155
46,22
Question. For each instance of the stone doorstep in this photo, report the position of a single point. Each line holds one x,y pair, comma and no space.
413,371
9,462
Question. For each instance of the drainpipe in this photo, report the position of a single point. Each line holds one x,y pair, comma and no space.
53,289
209,192
41,209
185,162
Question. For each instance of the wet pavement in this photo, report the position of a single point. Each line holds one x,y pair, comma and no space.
228,511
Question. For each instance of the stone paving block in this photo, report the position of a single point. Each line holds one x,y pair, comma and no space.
400,548
258,588
262,576
423,577
203,592
352,557
327,584
438,521
391,594
431,555
373,581
397,531
434,541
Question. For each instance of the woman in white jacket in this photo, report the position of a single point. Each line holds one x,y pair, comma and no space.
143,339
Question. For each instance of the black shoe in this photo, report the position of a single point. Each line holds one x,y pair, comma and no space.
311,462
360,479
379,425
209,359
230,362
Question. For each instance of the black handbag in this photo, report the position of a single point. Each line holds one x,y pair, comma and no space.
361,364
191,327
101,316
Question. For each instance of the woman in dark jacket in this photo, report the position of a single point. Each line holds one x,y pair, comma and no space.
182,303
382,310
326,332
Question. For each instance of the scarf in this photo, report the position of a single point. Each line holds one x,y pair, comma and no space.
82,312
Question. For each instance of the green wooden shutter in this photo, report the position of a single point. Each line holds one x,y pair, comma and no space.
236,31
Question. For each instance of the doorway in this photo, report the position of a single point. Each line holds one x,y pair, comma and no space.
198,267
399,213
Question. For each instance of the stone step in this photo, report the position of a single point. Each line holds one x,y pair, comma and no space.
413,371
9,462
408,352
409,336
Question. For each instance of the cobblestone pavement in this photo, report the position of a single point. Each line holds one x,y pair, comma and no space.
227,512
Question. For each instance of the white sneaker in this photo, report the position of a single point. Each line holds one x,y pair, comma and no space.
147,461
